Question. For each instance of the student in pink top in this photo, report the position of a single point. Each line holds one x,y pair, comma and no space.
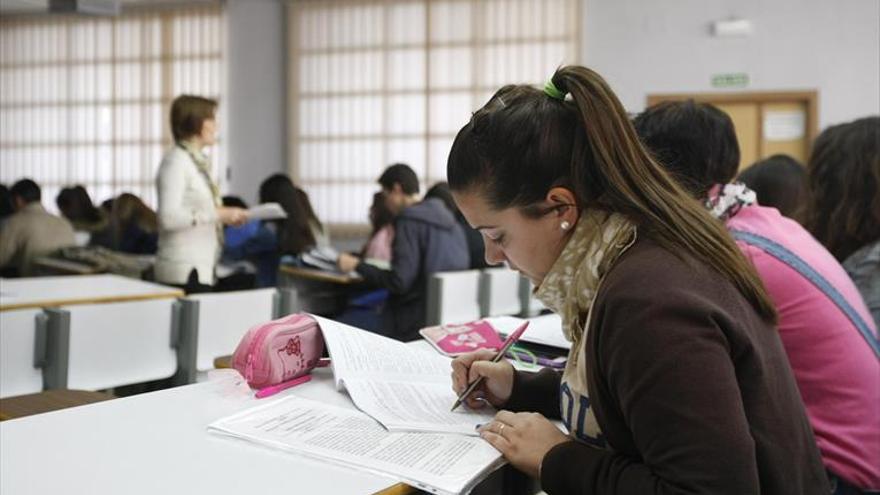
378,247
828,333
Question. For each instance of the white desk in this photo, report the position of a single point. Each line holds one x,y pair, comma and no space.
38,292
158,443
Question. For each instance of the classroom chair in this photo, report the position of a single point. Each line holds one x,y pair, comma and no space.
453,297
499,292
211,325
26,348
18,373
102,346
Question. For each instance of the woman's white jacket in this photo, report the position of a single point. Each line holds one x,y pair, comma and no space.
187,221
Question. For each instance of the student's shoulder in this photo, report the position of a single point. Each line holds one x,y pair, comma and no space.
649,271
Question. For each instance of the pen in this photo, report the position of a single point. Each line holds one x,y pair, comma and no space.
511,339
274,389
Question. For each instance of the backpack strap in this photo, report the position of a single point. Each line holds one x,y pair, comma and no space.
795,262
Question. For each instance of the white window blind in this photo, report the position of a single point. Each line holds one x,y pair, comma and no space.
85,100
377,82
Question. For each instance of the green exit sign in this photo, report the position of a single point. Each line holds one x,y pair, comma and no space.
731,80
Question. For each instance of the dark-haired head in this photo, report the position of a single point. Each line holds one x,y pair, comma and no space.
441,191
129,211
6,206
843,187
380,214
76,205
401,186
779,182
25,192
538,158
402,175
696,142
294,232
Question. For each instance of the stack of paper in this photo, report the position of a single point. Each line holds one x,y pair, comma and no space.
438,463
323,258
266,211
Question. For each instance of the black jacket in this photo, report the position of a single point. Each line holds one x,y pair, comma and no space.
427,239
692,390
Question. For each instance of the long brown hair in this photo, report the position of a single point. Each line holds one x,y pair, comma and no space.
129,209
524,142
843,187
295,234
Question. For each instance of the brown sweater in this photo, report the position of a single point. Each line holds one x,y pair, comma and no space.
692,391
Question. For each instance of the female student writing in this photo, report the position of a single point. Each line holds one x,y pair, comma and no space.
676,381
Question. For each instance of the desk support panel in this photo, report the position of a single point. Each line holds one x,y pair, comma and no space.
55,339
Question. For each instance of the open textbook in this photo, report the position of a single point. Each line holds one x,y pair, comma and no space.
435,462
404,388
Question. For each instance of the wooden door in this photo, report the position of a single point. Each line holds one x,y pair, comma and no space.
766,123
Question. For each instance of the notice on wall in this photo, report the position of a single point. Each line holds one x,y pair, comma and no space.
784,125
730,80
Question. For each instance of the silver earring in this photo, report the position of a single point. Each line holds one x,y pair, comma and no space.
564,225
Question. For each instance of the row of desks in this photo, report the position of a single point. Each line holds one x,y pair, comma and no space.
41,292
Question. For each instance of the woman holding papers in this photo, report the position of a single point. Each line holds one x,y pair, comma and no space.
676,381
191,215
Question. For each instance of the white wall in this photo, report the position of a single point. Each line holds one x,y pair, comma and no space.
646,46
256,113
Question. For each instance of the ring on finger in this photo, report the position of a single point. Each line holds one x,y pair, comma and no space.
501,429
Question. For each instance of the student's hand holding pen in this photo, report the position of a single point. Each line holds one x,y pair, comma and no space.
497,383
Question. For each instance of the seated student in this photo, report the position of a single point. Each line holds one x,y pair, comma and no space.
76,206
251,242
779,182
6,206
31,231
476,248
843,209
378,246
301,230
676,381
134,226
427,239
836,371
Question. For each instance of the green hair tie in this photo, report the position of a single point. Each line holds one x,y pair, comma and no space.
552,91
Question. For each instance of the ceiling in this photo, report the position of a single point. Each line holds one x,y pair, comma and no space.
42,6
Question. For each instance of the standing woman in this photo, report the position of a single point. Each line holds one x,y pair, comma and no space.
190,212
676,381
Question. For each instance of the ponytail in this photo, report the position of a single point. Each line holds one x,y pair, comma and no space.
525,141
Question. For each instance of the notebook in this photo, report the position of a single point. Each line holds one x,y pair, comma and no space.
434,462
457,339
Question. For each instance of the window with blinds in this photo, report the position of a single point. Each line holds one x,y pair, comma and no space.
377,82
85,100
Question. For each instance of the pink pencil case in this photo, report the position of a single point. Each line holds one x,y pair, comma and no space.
279,350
